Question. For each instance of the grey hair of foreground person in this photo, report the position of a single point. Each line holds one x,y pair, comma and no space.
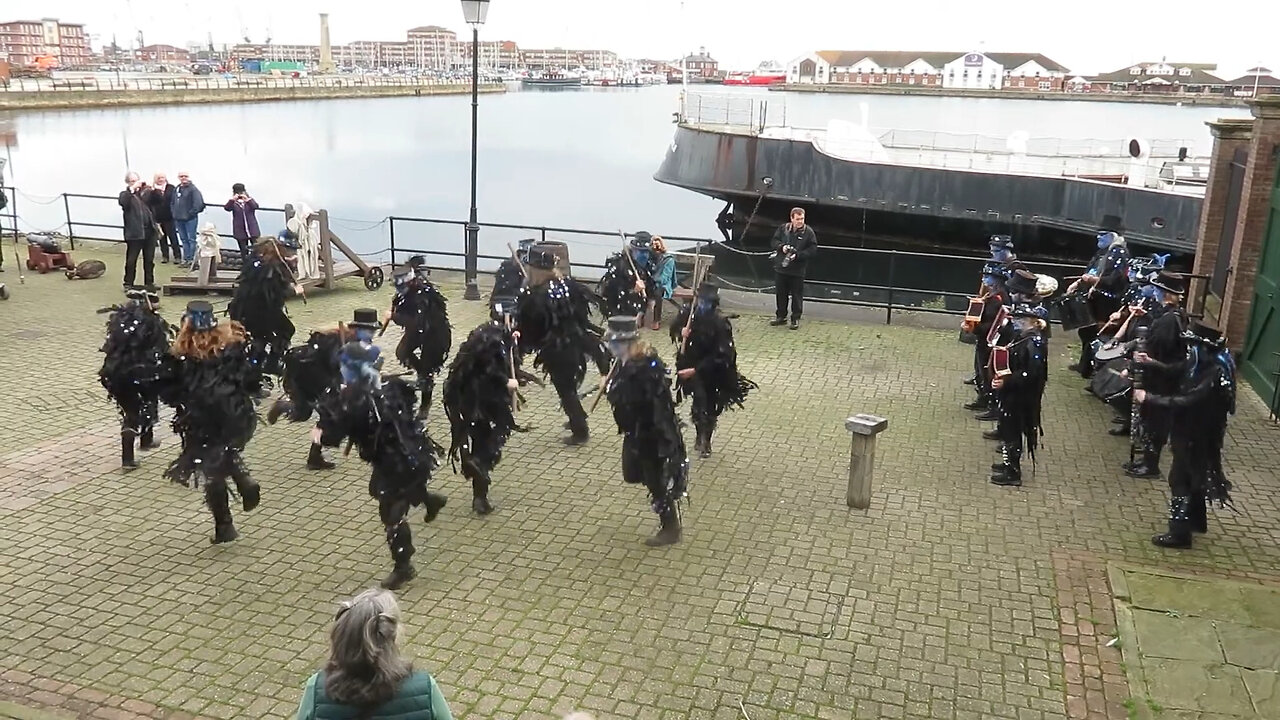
365,667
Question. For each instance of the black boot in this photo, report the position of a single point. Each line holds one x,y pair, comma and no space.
702,434
1148,466
971,380
425,386
670,532
400,541
147,440
250,492
316,459
981,403
1179,534
1010,472
990,434
127,460
479,487
280,407
1120,430
1199,512
991,414
215,496
434,503
705,452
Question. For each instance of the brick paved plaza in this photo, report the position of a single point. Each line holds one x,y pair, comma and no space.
949,598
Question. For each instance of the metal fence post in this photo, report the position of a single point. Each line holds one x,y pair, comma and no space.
391,228
862,457
888,310
71,232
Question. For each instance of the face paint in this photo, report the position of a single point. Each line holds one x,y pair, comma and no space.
364,335
618,348
702,306
1159,295
1104,240
989,281
641,256
1000,255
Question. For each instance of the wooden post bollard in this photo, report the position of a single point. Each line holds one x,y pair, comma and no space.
862,457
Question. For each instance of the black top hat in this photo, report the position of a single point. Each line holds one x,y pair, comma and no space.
135,293
642,239
365,318
201,315
708,289
1204,333
1170,282
417,261
288,239
1000,242
401,275
1023,282
1111,223
541,258
621,327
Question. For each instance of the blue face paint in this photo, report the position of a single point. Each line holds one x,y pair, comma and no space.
1104,240
989,280
1159,295
364,335
618,348
1000,254
1148,292
702,306
641,256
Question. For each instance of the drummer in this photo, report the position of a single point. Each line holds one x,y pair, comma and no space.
1103,283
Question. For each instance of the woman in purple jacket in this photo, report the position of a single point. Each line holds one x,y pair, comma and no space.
244,221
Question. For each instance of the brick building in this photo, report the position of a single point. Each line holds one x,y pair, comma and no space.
162,55
503,54
1257,81
550,59
701,65
433,47
25,40
972,70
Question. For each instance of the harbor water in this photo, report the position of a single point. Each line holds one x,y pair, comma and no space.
582,158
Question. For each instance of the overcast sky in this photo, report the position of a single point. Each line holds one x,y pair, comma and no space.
1085,35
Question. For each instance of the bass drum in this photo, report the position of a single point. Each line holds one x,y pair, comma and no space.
1073,312
1107,383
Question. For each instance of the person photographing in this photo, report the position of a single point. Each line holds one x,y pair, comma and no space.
794,244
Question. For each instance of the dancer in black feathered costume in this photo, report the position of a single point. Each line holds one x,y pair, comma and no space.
509,279
480,395
1200,406
267,279
423,313
310,372
136,365
624,290
553,320
213,412
378,417
653,452
707,363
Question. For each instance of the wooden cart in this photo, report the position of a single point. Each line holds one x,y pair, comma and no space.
331,272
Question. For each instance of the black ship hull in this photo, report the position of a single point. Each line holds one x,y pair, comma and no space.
878,204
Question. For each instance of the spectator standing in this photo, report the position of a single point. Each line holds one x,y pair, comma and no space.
794,244
366,677
244,219
664,279
139,232
160,200
187,205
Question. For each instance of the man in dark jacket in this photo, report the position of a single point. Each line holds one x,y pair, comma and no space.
187,205
139,232
160,200
794,244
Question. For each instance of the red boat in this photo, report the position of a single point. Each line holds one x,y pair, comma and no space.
767,74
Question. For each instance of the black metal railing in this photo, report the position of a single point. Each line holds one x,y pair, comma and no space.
107,83
891,280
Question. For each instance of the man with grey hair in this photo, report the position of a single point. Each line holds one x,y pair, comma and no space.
139,232
188,203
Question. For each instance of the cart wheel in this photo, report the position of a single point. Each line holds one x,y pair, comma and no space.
31,265
373,278
4,293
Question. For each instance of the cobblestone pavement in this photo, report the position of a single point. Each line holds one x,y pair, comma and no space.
949,598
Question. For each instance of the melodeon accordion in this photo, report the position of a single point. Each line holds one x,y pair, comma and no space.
974,313
1000,361
1001,318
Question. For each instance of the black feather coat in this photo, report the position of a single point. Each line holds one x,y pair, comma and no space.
258,304
310,371
554,320
213,411
476,398
618,287
645,414
424,314
137,363
714,357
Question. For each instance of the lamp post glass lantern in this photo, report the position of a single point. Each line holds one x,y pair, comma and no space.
475,12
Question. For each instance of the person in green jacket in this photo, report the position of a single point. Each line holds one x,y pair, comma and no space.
366,678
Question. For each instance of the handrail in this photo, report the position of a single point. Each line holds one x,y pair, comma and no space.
398,248
107,84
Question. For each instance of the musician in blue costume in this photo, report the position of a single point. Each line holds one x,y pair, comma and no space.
136,366
1204,397
1021,392
1002,255
553,320
1161,368
625,290
213,399
480,396
423,313
267,279
653,452
1104,283
707,364
1140,293
378,417
311,371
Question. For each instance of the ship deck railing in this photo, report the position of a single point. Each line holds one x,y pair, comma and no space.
883,276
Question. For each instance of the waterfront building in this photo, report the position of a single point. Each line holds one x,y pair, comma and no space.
23,41
162,55
494,54
701,65
433,47
1258,80
559,58
1160,77
971,70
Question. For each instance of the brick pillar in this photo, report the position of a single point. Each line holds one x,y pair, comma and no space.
1228,136
1255,207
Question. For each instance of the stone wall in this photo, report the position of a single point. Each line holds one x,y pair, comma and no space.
59,99
1152,99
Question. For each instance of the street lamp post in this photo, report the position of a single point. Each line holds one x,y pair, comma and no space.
475,12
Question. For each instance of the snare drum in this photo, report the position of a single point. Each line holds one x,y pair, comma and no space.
1107,383
1111,351
1073,312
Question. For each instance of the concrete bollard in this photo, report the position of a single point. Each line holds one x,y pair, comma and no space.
862,457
